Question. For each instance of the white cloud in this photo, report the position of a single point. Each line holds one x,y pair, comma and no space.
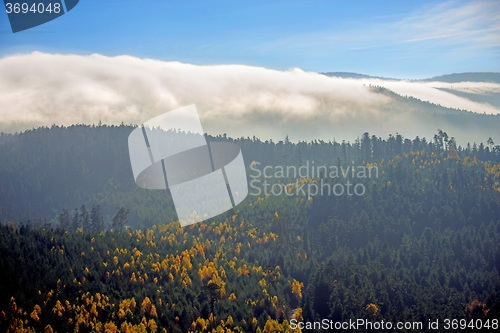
41,89
476,24
479,88
461,27
431,92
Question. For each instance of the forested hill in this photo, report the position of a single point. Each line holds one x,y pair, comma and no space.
46,170
422,242
450,78
467,77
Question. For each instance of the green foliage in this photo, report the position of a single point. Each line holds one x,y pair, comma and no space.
422,243
120,219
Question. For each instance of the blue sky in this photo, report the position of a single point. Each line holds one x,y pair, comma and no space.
403,39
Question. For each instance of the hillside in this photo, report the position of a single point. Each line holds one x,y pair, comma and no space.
450,78
467,77
349,75
422,242
48,169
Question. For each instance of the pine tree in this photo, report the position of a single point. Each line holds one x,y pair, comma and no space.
64,220
97,221
120,218
76,221
85,218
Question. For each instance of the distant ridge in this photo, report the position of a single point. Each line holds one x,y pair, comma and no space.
450,78
349,75
470,77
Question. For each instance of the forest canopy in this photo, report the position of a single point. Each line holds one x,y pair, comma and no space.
83,248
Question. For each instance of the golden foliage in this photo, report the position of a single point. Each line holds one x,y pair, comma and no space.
453,154
37,311
148,308
298,315
297,288
372,309
110,327
476,310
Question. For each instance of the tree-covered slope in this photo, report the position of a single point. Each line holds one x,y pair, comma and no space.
422,242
